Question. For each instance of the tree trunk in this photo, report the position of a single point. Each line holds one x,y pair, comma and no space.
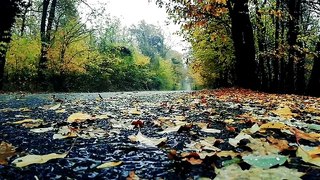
301,81
261,41
8,12
293,29
314,82
275,62
45,37
242,35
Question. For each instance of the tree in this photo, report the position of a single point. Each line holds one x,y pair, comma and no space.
294,7
242,35
150,40
45,31
314,82
9,9
191,14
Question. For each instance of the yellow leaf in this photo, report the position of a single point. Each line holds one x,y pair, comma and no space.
227,153
36,159
78,117
109,164
180,118
284,112
312,155
61,111
6,151
134,111
28,121
273,125
103,116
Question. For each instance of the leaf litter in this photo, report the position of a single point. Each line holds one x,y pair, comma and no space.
216,134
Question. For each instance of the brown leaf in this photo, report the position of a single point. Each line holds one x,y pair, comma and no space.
194,161
280,144
6,152
313,137
137,124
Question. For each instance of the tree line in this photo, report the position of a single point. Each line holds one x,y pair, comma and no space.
269,45
55,45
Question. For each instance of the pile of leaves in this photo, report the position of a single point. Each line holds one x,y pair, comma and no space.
221,134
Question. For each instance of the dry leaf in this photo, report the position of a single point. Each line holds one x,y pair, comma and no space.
103,116
36,159
234,172
78,117
280,144
284,112
65,132
180,118
153,142
309,154
6,151
60,111
273,125
28,121
55,107
134,111
227,153
234,141
193,161
41,130
109,164
313,137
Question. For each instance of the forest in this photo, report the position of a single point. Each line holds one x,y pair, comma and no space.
269,45
52,45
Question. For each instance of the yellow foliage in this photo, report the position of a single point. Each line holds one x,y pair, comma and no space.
141,59
23,54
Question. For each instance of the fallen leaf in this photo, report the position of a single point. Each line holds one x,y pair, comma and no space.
36,159
204,128
234,141
261,147
28,121
55,107
6,152
102,116
227,153
65,132
255,128
61,111
309,154
234,172
193,161
280,144
265,161
284,112
180,118
78,117
134,111
137,124
313,137
41,130
273,125
153,142
109,164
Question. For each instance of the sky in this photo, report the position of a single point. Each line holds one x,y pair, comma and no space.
132,11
